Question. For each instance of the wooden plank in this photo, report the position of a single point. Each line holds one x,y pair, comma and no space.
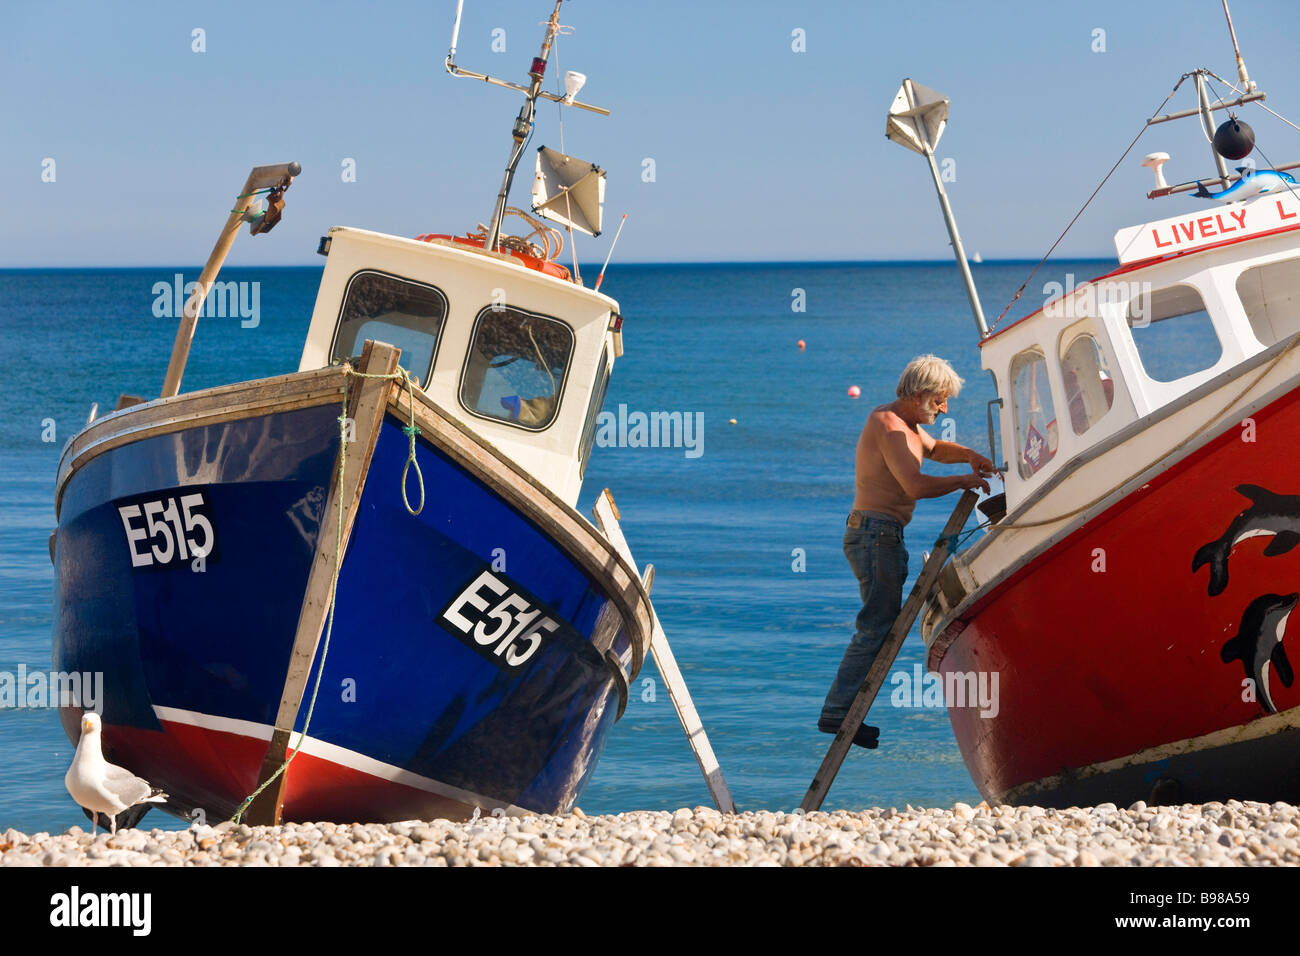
607,519
366,407
821,783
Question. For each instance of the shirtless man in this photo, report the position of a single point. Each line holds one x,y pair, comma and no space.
888,482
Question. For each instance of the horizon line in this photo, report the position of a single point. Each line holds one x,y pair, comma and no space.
595,265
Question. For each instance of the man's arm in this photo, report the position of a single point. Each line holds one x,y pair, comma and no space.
950,453
906,469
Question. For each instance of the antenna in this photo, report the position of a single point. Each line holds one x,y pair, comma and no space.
601,278
455,35
1247,84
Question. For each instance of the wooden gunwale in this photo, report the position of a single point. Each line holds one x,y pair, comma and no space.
210,406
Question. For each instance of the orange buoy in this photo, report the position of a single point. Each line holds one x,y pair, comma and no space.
854,391
801,344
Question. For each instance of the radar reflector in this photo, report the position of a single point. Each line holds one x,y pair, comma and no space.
569,191
917,117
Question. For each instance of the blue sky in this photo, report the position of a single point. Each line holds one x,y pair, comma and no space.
761,153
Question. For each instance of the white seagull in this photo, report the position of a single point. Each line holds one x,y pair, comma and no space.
102,787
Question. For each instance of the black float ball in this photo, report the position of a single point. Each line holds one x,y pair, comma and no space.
1234,139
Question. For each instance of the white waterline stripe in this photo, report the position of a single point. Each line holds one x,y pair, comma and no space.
337,755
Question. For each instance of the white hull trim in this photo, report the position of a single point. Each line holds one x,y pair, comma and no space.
336,755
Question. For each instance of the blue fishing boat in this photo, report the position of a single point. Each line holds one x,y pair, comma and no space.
361,591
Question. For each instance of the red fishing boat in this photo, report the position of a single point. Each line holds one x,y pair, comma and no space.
1132,593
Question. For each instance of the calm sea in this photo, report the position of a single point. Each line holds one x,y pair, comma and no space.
752,588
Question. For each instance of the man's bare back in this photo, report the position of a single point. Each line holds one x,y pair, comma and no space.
876,487
887,465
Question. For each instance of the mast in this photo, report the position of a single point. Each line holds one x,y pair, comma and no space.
523,127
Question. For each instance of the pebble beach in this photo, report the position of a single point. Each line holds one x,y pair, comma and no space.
1212,834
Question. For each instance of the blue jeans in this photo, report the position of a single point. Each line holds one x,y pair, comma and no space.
879,561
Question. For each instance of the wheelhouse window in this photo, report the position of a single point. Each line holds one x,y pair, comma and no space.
400,312
1035,414
1173,333
516,367
1089,387
1271,297
593,413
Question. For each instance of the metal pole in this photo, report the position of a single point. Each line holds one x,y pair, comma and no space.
1207,123
260,178
971,294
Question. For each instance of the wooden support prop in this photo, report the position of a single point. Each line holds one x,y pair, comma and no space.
607,520
260,178
368,399
821,783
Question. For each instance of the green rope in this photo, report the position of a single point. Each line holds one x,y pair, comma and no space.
955,539
403,376
950,539
411,430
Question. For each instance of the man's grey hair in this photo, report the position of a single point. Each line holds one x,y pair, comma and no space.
928,373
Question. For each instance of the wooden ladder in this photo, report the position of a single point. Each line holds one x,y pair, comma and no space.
821,783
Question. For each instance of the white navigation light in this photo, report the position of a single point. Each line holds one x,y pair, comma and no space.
573,82
1153,162
569,190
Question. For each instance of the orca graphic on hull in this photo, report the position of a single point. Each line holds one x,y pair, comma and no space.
1268,514
1258,643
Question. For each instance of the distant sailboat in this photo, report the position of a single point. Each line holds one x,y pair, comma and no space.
977,258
